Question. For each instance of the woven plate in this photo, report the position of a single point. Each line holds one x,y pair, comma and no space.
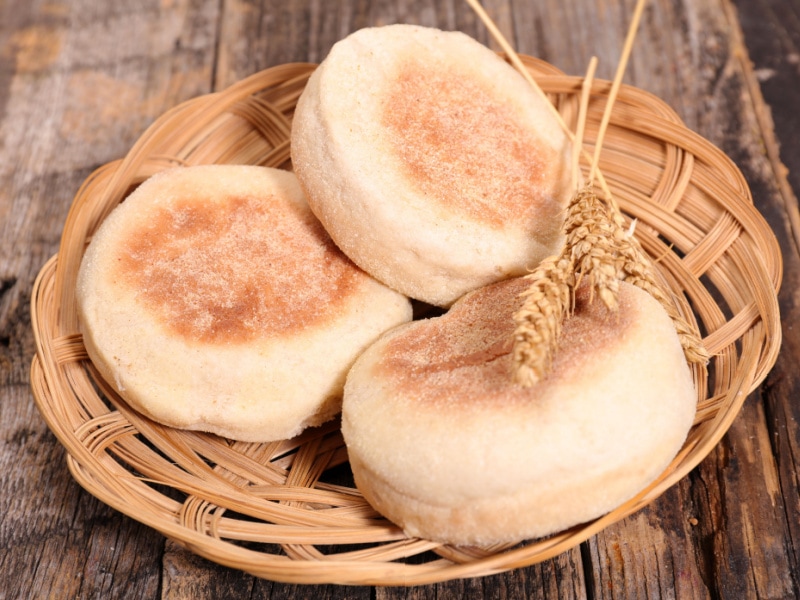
287,510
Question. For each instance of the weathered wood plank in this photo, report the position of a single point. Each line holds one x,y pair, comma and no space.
98,74
759,493
745,527
772,34
79,81
652,553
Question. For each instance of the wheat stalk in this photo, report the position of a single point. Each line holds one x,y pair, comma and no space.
592,241
547,301
598,248
550,296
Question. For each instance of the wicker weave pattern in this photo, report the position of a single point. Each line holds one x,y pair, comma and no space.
262,508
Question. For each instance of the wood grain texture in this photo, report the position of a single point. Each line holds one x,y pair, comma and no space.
772,34
81,80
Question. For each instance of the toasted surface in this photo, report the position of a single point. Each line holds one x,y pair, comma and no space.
431,162
443,443
213,299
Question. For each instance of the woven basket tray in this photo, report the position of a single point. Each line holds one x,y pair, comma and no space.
286,510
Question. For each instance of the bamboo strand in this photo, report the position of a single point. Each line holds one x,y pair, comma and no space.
586,90
616,83
550,296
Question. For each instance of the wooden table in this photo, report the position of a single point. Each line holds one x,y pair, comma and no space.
79,82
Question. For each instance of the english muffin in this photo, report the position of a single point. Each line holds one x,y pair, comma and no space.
443,443
212,299
431,162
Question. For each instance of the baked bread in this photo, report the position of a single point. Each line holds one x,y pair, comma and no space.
442,442
431,162
212,299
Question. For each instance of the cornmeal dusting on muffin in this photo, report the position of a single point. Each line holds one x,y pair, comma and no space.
465,148
471,365
229,271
